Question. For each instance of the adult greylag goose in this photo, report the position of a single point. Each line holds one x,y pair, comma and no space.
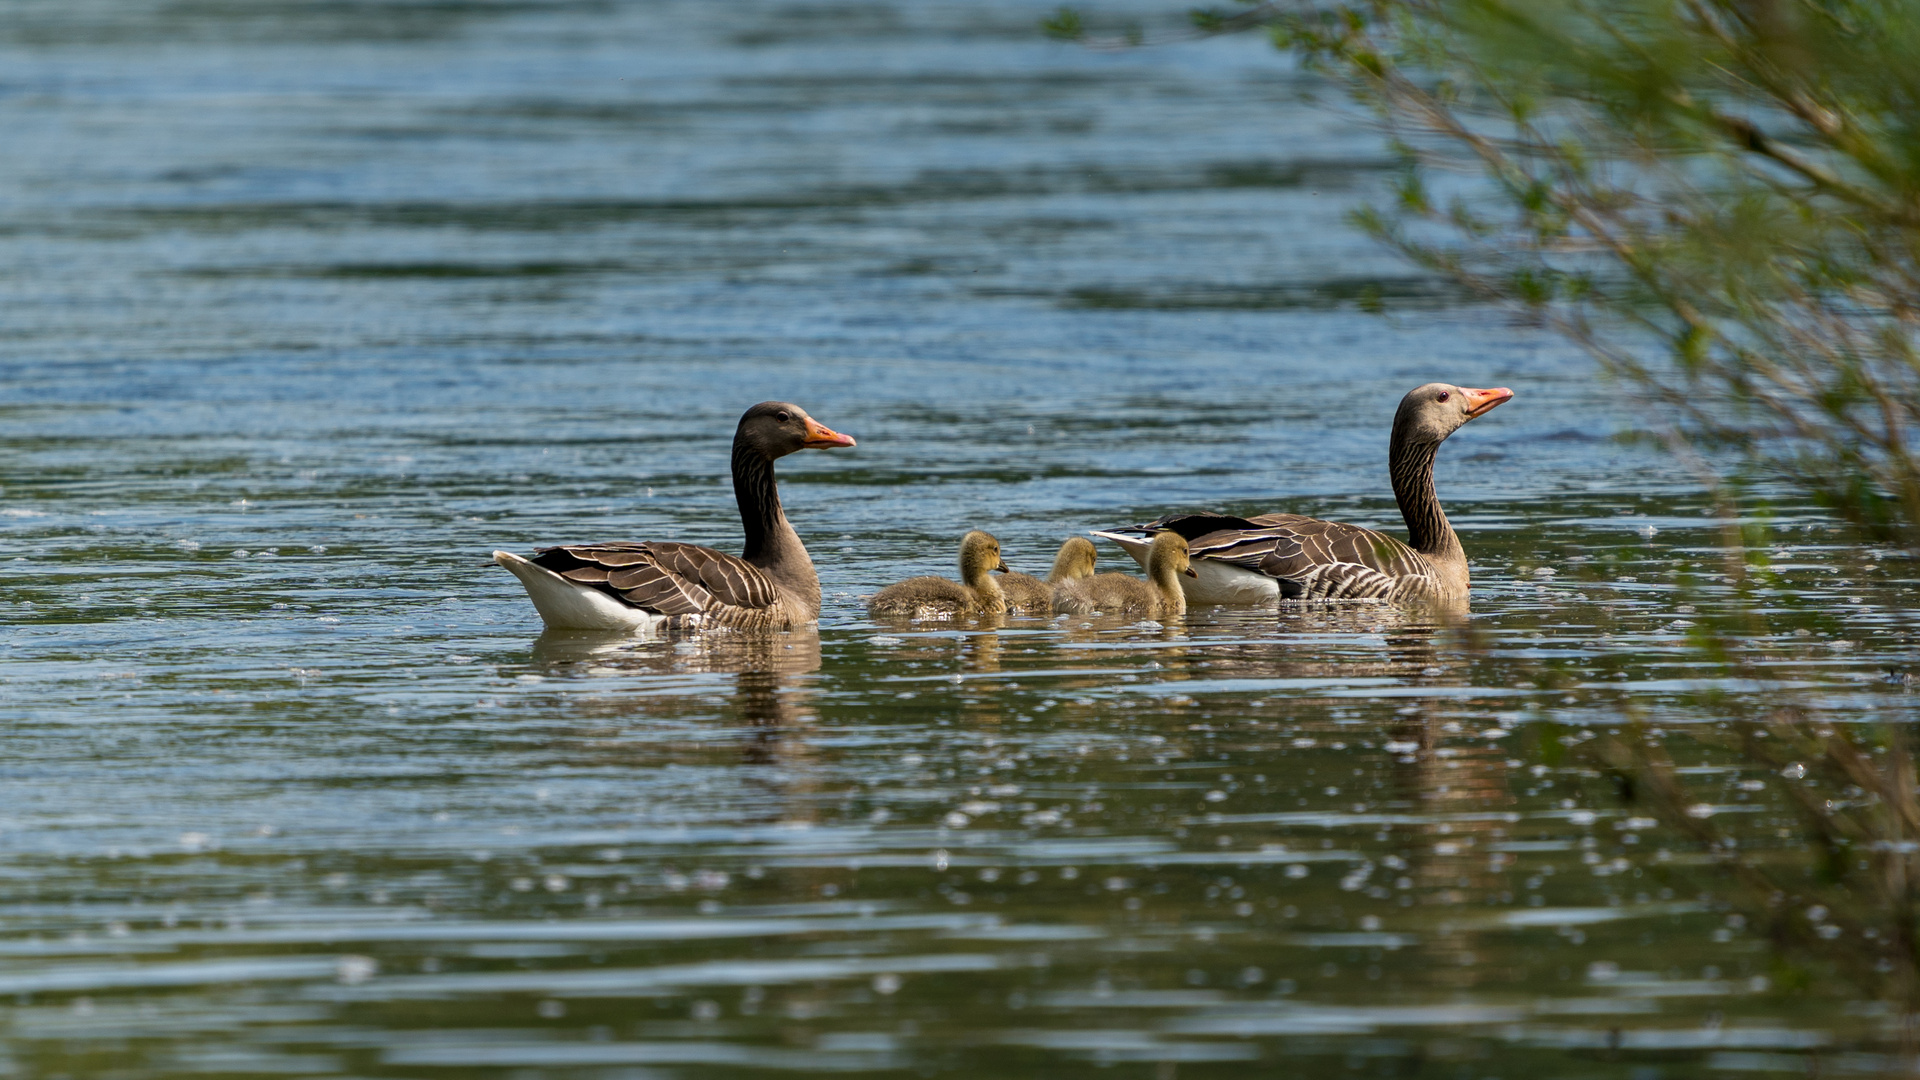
1116,594
1028,595
629,585
1273,557
976,593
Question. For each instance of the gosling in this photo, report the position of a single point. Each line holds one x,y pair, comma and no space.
1159,596
1028,595
976,593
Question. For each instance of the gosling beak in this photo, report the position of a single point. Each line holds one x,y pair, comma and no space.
1001,568
1481,401
1191,572
820,437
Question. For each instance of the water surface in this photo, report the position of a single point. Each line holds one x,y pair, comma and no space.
308,307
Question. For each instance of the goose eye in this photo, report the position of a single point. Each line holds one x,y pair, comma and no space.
786,416
1444,395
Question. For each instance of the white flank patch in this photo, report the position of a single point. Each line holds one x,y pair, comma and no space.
569,605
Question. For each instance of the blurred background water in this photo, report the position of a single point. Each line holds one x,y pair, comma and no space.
307,306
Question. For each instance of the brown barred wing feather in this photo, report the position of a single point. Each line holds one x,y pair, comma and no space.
1192,527
1339,581
1220,537
1304,541
1328,560
666,578
1241,547
731,580
1310,558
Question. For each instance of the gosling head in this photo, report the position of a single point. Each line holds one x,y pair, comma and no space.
979,556
1430,413
1169,553
1076,560
775,429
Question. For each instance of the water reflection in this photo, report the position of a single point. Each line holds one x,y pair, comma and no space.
770,702
564,653
1024,845
1837,913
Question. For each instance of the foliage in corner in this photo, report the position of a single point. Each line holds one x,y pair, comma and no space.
1846,925
1719,198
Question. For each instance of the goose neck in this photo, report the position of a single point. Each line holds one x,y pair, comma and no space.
1165,579
1063,568
1429,532
992,597
771,543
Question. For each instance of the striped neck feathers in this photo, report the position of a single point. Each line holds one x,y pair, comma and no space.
771,543
1410,465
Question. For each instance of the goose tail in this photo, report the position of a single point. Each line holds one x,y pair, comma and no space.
1214,582
1133,545
569,605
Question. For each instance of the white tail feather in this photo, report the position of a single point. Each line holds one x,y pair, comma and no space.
1218,582
569,605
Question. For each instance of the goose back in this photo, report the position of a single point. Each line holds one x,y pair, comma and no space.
934,597
1110,594
689,584
976,593
1311,559
1029,595
1026,594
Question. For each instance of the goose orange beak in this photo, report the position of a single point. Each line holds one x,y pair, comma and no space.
1481,401
820,437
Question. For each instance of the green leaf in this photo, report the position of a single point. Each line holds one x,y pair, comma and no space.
1065,25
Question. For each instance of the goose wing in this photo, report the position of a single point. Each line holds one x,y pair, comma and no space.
1312,559
1222,537
1328,560
666,578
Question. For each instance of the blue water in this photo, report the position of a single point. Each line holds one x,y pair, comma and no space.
305,308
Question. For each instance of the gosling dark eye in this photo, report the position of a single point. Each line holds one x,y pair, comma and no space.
786,416
1443,396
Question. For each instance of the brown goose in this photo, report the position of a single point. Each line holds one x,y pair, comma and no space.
1117,594
1261,560
976,593
1028,595
649,586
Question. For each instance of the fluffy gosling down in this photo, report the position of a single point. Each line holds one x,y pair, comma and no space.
976,593
1117,594
1028,595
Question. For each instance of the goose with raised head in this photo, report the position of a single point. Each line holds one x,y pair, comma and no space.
1028,595
1160,595
976,593
649,586
1273,557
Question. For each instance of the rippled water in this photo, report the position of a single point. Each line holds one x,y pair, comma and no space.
309,306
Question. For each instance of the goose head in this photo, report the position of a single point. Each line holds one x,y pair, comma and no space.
979,556
775,429
1430,413
1075,560
1168,553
